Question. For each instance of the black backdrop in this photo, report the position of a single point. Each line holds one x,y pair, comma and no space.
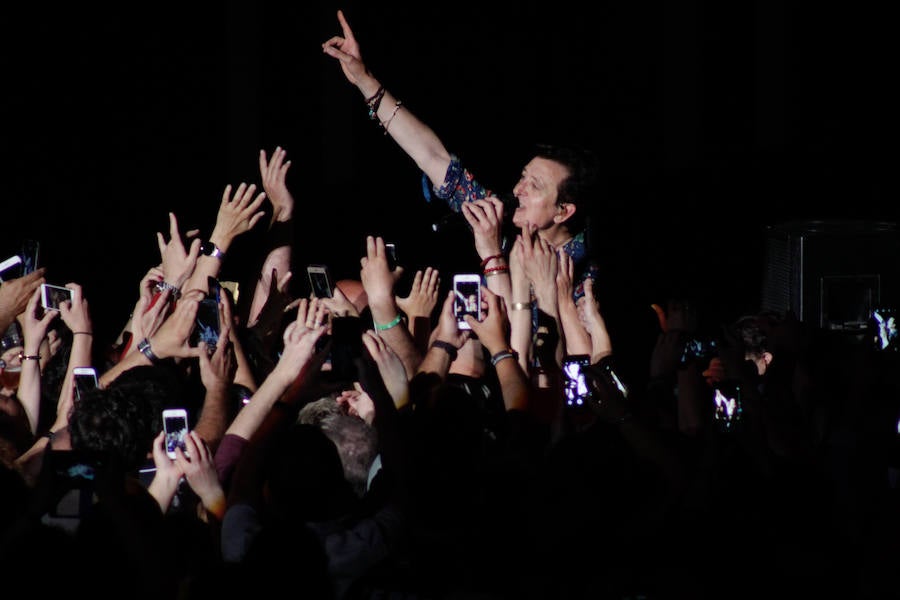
714,118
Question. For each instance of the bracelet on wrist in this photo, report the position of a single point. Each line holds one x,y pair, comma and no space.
520,306
386,326
162,286
446,347
488,259
146,350
504,354
496,270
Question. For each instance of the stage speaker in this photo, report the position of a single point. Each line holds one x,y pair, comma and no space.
831,273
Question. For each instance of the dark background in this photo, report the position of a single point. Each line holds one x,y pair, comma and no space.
715,120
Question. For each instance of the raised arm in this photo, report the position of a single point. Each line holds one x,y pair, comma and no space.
411,134
281,228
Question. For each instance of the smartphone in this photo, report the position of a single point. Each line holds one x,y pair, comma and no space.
698,349
208,326
576,387
11,267
728,406
320,281
391,250
346,347
883,329
609,372
31,250
52,296
175,425
85,381
467,297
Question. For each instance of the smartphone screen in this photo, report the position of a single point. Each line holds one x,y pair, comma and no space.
52,296
175,425
320,281
391,250
883,329
30,253
85,379
576,387
208,326
728,407
467,298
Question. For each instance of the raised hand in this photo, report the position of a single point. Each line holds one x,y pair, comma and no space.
486,219
200,472
358,403
237,214
493,329
339,305
423,295
75,313
392,370
274,173
346,49
15,293
300,337
177,262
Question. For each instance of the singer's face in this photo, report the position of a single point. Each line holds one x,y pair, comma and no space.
537,191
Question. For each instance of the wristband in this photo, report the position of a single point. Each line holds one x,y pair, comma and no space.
146,350
504,354
446,347
496,270
393,323
162,286
520,306
29,357
485,262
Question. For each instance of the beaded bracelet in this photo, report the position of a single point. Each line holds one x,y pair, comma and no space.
496,270
375,102
504,354
393,323
387,123
485,262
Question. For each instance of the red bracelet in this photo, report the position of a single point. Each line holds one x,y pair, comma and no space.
489,259
493,270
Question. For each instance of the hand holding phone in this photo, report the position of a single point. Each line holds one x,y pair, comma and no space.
208,326
467,298
52,296
85,379
320,281
175,425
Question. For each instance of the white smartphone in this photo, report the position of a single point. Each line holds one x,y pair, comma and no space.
175,425
54,295
85,381
320,281
9,263
467,297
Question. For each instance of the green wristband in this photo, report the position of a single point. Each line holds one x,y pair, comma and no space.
393,323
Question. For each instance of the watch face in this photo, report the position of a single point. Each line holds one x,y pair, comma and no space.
207,248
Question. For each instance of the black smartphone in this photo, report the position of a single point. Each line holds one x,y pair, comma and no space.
698,349
208,325
576,387
346,347
391,250
31,250
883,329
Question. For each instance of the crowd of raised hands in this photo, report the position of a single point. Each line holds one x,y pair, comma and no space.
373,442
